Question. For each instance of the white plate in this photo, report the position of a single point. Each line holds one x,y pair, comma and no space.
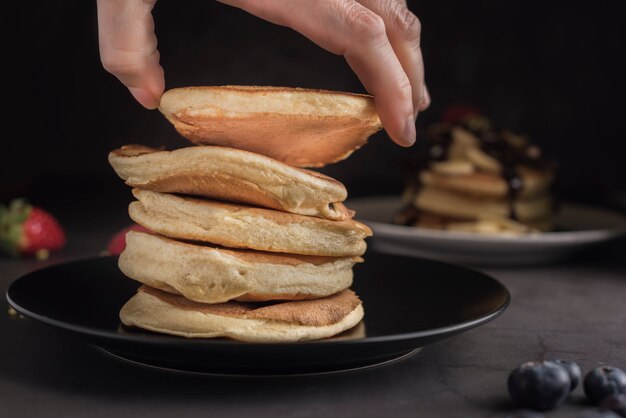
578,227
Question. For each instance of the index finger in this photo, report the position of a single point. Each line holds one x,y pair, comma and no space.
347,28
404,32
128,47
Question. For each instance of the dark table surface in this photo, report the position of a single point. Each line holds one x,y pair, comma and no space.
574,310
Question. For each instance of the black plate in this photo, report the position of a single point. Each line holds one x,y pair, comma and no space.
409,302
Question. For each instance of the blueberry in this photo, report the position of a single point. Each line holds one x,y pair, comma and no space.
539,385
524,413
597,413
604,381
615,403
572,369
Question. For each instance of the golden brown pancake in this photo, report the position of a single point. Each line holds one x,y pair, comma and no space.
239,226
354,333
232,175
163,312
301,127
209,274
457,205
480,184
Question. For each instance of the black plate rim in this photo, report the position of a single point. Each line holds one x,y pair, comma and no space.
159,340
156,339
184,372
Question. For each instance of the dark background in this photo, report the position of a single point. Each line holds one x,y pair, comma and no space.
556,73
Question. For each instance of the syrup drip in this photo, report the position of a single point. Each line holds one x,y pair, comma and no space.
509,157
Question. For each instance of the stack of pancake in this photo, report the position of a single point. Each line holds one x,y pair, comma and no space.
243,245
475,178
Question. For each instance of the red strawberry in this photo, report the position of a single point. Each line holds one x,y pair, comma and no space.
118,242
454,114
27,230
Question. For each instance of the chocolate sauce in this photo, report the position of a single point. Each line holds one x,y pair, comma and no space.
510,157
514,185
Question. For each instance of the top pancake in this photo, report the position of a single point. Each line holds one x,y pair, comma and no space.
301,127
232,175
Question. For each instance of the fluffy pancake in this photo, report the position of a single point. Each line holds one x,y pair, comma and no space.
239,226
232,175
163,312
489,185
354,333
456,205
301,127
213,275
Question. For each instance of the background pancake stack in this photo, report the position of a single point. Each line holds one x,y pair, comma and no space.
243,245
474,178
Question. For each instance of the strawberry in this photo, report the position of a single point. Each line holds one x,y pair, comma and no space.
118,241
28,230
454,114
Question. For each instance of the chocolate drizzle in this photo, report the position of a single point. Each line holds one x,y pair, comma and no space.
514,184
509,157
509,153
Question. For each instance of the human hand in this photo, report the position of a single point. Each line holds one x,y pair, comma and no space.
380,40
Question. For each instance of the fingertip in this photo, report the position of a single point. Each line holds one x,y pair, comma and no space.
417,103
410,133
404,144
145,97
403,132
159,84
425,103
399,123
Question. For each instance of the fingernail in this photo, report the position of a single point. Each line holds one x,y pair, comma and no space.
144,97
409,131
425,98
